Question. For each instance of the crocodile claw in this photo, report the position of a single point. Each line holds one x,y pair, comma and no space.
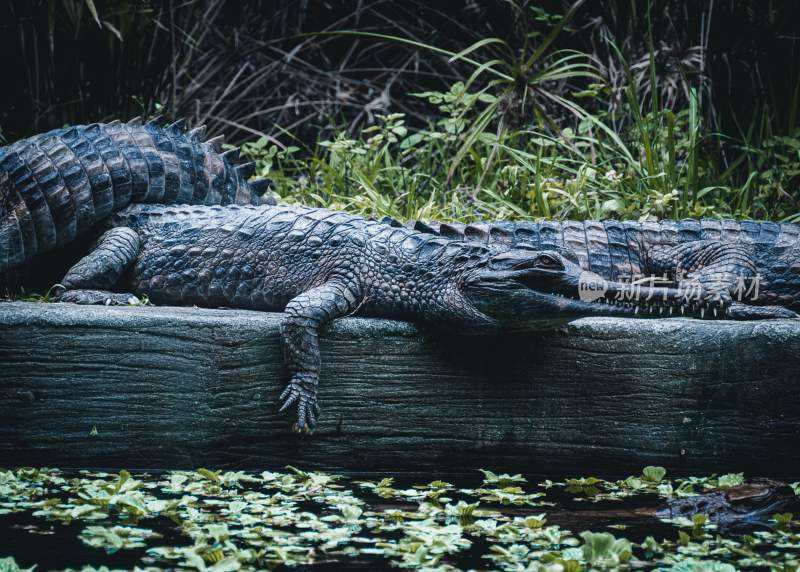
102,297
301,391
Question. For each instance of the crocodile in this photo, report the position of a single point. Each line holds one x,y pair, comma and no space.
739,508
757,263
316,265
55,186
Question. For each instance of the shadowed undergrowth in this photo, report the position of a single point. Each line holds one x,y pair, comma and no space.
484,110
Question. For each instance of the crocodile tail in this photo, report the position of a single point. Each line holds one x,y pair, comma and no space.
57,185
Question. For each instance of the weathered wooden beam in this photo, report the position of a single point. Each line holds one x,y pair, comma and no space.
157,387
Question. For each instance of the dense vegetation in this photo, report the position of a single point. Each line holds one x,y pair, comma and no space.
520,109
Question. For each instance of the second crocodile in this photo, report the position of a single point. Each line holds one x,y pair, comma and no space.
56,186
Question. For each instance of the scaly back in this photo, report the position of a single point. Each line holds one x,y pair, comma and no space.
615,249
57,185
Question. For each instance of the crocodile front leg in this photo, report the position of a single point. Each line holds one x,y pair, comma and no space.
709,272
305,315
91,280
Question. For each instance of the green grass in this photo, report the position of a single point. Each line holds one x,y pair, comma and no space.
568,114
535,132
468,165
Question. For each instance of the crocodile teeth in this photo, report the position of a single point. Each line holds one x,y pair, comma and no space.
715,312
636,310
683,310
670,310
702,311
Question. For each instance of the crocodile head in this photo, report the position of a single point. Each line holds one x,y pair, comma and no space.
533,289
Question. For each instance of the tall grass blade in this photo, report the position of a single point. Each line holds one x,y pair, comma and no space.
694,127
552,35
477,46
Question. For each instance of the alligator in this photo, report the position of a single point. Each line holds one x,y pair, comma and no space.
757,263
741,508
56,186
317,265
743,505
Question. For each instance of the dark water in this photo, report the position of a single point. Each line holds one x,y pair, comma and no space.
296,520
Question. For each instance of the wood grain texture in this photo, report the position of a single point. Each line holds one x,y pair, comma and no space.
188,387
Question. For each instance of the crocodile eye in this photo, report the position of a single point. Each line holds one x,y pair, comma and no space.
548,261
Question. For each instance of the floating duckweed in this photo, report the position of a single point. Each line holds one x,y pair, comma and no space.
221,521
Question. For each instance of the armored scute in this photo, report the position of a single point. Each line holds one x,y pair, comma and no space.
57,185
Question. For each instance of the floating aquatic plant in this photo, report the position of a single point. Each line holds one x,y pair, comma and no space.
222,521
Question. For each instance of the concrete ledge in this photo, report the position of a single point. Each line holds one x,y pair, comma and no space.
187,387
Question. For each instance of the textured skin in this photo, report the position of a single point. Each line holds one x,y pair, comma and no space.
275,258
707,250
57,185
743,505
317,265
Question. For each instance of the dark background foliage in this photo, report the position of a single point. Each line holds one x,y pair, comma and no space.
250,65
461,109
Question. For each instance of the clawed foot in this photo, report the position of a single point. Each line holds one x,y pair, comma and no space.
302,390
86,297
